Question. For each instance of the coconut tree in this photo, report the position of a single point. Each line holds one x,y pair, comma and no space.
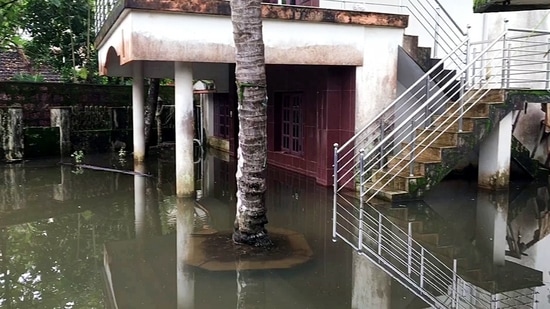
252,100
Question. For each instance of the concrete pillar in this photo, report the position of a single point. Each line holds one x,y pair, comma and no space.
185,277
139,202
60,117
494,157
11,131
183,74
371,286
138,101
491,219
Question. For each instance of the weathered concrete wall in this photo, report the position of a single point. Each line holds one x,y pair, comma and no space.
11,134
78,117
36,99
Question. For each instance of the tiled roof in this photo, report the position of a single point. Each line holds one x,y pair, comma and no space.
13,63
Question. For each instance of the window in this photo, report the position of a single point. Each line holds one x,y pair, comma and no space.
291,123
222,115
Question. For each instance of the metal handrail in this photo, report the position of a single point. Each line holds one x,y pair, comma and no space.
512,59
395,251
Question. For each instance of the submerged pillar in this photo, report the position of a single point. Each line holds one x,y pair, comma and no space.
139,202
138,101
185,276
371,285
491,219
183,74
11,131
494,157
60,117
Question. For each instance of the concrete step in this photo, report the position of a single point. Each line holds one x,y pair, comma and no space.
482,95
387,193
432,152
402,163
448,138
469,110
452,123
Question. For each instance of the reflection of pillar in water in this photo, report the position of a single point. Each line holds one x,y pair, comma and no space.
250,288
139,201
185,276
12,191
62,191
208,176
371,285
60,117
491,217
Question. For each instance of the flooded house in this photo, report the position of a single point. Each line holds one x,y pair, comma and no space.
370,106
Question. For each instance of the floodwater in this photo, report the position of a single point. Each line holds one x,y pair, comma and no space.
81,238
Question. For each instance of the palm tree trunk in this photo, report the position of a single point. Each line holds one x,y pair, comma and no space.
252,101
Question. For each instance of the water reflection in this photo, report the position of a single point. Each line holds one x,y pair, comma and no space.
89,239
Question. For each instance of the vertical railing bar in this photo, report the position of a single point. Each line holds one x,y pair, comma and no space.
411,155
503,76
409,248
436,30
335,190
427,108
422,267
461,104
508,65
379,235
361,194
547,86
468,53
454,293
381,146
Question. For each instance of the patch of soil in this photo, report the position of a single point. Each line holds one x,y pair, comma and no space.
220,247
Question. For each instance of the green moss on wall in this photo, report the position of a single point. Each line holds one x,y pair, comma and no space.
479,5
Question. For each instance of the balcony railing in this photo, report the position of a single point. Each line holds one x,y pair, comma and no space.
102,10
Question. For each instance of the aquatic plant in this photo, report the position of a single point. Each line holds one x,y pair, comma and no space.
78,156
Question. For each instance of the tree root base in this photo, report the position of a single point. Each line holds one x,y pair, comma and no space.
260,239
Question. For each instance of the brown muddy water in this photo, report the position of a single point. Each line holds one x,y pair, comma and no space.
79,238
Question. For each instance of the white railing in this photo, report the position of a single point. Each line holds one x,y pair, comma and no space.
391,143
399,255
102,10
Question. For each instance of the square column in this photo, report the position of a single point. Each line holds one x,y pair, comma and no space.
185,180
494,157
11,133
60,117
138,122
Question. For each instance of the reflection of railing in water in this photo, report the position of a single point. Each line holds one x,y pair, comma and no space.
398,254
530,221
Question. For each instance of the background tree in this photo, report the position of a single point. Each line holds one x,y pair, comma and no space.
60,34
11,12
252,149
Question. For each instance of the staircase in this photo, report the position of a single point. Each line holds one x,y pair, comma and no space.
412,144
